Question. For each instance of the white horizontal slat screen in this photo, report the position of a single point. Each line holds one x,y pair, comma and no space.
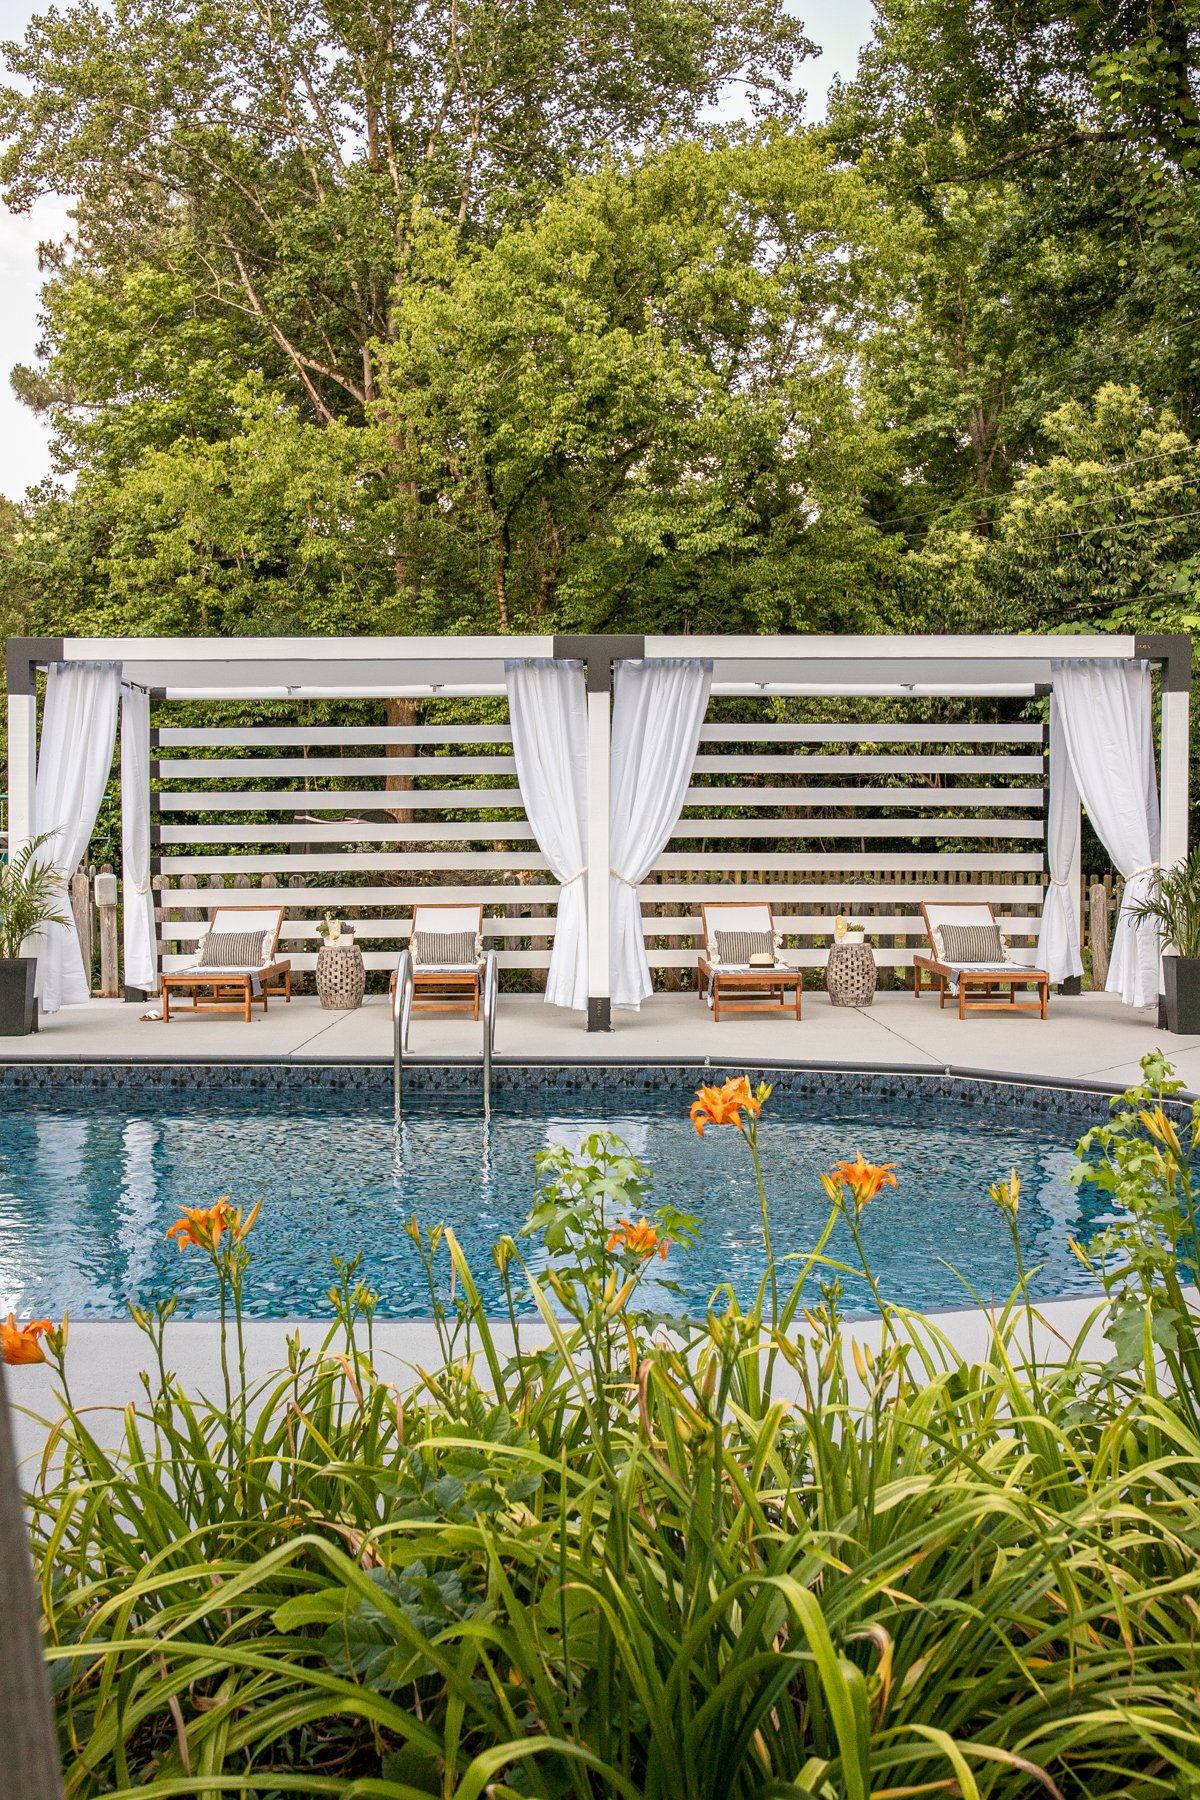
871,818
307,811
884,816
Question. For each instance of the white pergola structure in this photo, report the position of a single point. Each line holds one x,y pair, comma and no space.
933,785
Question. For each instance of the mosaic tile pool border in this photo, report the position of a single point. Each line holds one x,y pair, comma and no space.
1082,1106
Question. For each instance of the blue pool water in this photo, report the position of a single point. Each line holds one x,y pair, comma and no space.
89,1182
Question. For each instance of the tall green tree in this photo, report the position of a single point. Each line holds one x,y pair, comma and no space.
1043,155
640,405
637,408
259,173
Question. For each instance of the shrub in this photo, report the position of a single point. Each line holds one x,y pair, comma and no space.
748,1557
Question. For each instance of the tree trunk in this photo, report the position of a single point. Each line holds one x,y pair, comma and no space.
400,712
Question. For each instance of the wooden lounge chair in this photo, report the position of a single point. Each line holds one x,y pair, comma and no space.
446,985
738,986
234,987
985,977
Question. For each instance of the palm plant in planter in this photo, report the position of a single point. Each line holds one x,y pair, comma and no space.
1175,903
30,897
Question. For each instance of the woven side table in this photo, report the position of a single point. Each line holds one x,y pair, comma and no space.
850,975
341,977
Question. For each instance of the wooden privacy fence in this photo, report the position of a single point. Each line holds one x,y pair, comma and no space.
365,820
1101,898
96,923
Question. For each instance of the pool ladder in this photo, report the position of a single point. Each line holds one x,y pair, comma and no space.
402,1000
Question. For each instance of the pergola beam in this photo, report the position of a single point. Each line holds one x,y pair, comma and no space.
287,668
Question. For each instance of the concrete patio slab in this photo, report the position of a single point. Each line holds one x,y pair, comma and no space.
1088,1038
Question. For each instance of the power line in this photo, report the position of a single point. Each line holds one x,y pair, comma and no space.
973,502
1054,537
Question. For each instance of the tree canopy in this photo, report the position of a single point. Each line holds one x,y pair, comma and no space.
473,318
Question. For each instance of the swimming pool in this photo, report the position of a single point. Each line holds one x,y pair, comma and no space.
95,1166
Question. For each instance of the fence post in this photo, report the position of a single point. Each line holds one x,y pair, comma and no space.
106,906
31,1762
1098,909
299,980
80,889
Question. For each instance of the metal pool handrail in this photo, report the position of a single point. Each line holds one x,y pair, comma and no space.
490,982
402,995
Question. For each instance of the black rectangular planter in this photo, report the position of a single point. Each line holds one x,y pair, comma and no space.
18,1006
1181,980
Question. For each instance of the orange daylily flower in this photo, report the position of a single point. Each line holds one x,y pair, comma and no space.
641,1239
724,1105
864,1179
1161,1129
19,1343
1007,1194
205,1225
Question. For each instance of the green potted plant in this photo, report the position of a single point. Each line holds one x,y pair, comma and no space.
1174,902
30,897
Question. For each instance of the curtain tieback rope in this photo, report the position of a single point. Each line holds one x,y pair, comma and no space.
616,873
1060,881
1146,869
577,876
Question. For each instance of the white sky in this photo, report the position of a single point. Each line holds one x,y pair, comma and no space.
840,27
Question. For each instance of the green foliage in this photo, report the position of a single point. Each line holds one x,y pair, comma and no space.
31,896
635,410
1175,903
1107,528
1151,1252
477,323
250,177
526,1574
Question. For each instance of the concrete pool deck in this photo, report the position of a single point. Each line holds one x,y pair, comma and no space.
1088,1038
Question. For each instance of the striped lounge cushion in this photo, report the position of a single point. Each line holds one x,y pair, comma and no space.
232,950
972,944
445,948
739,946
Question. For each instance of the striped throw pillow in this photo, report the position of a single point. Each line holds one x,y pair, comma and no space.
444,947
972,944
739,946
232,950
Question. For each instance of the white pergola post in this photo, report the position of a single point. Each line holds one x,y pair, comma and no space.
1173,763
22,769
22,742
599,690
1173,771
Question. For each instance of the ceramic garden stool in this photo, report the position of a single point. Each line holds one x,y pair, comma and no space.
341,977
850,975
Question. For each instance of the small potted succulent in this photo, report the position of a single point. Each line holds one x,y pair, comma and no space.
1174,902
30,897
848,931
332,930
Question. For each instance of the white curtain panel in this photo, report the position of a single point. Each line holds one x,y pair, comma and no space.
1107,726
547,705
1058,940
141,962
658,709
79,729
